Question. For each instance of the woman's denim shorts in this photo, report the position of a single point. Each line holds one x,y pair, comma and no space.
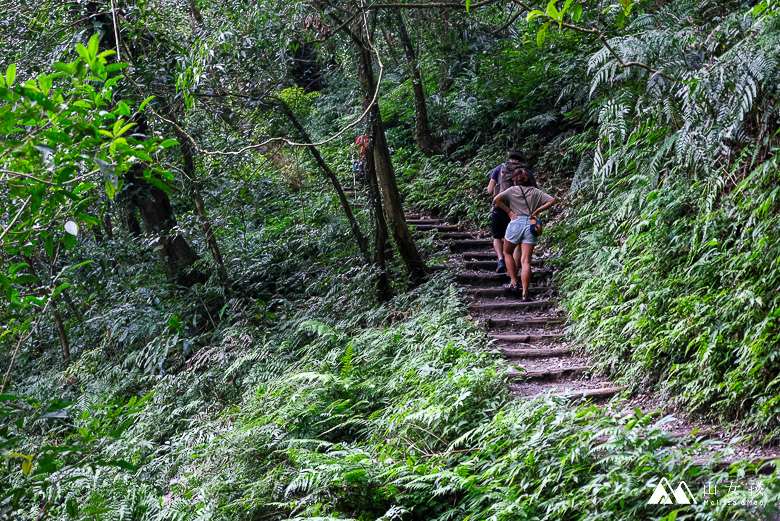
519,231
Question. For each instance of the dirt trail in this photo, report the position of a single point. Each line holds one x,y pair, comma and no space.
531,337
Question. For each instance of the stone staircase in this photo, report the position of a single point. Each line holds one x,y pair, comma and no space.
529,334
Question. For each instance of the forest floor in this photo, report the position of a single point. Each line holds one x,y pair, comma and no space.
542,360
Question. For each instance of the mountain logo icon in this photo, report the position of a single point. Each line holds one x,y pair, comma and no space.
661,495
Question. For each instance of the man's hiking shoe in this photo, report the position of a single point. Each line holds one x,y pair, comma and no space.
526,298
501,266
509,287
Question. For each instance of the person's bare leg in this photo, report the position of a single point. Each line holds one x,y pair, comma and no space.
498,245
526,252
517,256
511,267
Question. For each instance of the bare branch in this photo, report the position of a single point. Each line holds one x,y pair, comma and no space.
116,34
21,340
13,221
507,24
26,176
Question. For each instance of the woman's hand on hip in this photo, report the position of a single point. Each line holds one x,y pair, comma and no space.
512,215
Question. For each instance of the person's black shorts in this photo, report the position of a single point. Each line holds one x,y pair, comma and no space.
499,220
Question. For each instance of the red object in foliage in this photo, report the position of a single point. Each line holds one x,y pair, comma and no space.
361,145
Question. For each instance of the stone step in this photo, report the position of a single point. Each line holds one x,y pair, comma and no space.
468,244
490,265
412,215
491,256
523,322
436,227
497,279
521,326
418,222
538,352
597,393
549,375
490,307
456,235
480,255
501,292
524,339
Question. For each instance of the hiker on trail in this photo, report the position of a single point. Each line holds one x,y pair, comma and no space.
522,202
360,165
500,180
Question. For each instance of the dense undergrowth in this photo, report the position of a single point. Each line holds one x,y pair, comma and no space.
409,419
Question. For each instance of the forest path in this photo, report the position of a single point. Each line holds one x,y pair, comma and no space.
528,334
531,337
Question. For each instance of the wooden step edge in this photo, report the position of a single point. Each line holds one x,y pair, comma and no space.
425,221
489,264
549,375
456,235
513,304
498,276
440,228
524,338
490,254
500,292
484,241
538,352
519,322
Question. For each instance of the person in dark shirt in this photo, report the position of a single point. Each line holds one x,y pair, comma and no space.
500,180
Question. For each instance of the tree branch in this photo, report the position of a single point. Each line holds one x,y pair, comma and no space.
508,23
13,221
26,176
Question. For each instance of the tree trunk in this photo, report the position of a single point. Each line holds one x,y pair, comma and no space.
130,219
391,46
200,206
384,167
422,132
156,211
107,224
381,243
361,240
61,331
32,268
216,254
157,215
72,305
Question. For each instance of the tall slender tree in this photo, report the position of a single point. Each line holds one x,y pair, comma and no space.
422,132
391,197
